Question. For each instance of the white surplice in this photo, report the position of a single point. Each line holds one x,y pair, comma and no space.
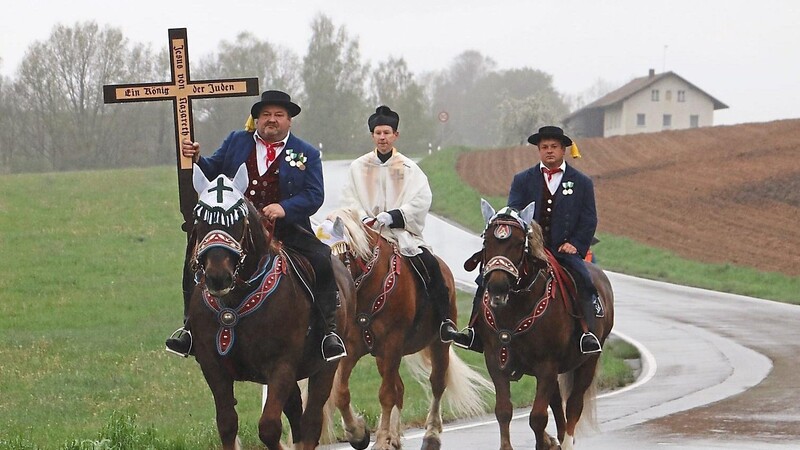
374,187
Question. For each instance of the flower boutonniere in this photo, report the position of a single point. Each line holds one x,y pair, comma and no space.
296,159
567,185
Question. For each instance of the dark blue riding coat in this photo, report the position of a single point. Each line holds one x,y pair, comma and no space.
302,190
574,216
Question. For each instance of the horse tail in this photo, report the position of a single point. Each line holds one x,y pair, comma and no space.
464,386
588,420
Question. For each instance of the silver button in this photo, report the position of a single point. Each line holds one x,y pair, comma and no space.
252,192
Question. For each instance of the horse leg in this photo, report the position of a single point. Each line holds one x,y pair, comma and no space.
319,389
546,385
557,406
355,428
502,405
583,376
281,385
440,361
221,386
390,399
293,409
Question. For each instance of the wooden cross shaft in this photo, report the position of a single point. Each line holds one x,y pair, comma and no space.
181,90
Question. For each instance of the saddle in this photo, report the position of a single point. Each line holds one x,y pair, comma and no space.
423,275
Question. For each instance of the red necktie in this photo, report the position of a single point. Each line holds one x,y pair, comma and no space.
272,149
550,172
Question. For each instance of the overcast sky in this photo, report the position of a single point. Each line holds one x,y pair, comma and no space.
744,53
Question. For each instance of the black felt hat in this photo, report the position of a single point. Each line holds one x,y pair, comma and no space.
550,132
383,116
275,98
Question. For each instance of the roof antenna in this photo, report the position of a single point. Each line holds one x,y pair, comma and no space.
664,60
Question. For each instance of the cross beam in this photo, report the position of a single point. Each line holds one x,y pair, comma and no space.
181,90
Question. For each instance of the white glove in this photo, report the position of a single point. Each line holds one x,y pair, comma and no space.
384,218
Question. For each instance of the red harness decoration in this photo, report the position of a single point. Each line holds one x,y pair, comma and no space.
389,282
524,325
229,317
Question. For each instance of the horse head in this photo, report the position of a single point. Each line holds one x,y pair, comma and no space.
227,227
513,249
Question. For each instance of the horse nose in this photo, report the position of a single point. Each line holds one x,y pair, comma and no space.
498,300
219,284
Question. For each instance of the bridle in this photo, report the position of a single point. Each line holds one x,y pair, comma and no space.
221,239
502,230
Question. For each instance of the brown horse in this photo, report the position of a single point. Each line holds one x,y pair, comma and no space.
394,319
251,317
528,327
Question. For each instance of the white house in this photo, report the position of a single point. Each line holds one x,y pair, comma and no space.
664,101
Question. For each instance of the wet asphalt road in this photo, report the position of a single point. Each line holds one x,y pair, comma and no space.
719,371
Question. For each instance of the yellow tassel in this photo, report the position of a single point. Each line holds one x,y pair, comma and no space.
574,150
250,124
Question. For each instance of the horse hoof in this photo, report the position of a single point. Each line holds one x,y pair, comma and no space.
430,443
363,443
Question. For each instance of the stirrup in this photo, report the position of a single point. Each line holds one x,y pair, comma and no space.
176,335
469,334
341,354
590,351
443,330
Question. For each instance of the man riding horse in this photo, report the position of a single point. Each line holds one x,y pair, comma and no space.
285,185
390,190
565,209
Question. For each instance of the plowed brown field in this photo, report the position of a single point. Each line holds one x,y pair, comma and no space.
726,194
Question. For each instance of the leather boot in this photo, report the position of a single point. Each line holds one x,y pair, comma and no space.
589,342
180,341
332,345
467,338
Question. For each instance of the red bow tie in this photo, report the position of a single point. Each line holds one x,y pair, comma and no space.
272,149
550,172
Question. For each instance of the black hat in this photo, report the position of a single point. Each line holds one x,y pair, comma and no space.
550,132
275,98
383,116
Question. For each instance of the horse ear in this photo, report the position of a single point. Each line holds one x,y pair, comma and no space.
338,228
240,180
199,180
487,210
527,214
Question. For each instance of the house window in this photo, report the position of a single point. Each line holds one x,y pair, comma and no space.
667,120
694,121
668,96
654,95
640,120
681,96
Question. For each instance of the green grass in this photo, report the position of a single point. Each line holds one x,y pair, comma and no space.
91,267
453,199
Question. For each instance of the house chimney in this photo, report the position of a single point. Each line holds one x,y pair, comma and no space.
652,73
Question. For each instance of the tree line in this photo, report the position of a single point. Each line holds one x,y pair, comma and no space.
52,115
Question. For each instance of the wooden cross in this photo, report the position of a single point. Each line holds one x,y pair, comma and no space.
181,90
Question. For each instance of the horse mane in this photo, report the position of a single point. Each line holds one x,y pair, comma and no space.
536,241
354,232
259,234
